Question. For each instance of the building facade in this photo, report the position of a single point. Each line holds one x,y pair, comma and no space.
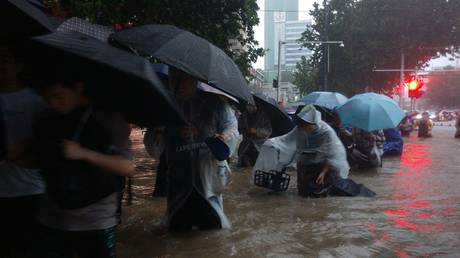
293,50
282,24
276,14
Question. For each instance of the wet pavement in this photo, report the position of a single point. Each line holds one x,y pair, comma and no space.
416,213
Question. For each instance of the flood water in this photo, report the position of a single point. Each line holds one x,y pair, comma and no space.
416,213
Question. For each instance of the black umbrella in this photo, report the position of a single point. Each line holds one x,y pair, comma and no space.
114,77
280,120
100,32
189,53
22,20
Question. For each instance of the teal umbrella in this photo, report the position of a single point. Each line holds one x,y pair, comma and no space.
325,99
370,112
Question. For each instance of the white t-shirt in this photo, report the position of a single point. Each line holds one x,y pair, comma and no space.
21,110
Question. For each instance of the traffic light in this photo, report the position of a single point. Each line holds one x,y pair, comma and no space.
275,83
414,88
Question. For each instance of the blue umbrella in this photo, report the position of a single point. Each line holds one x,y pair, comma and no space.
370,112
325,99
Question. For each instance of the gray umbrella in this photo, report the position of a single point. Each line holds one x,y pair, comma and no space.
94,30
189,53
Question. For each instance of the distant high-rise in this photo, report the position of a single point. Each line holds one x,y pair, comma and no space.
277,12
293,50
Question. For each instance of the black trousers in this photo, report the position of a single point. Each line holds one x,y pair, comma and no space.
247,153
196,212
161,182
333,185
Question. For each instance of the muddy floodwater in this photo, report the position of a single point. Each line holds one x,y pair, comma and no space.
416,213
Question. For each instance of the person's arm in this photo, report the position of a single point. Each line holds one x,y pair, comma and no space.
322,175
115,164
228,128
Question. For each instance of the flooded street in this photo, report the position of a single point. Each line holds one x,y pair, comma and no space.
415,213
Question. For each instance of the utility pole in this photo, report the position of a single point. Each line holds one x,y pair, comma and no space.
326,47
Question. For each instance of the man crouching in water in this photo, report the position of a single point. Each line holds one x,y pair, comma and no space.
322,167
322,156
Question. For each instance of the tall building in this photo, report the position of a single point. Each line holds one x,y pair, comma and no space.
277,13
293,50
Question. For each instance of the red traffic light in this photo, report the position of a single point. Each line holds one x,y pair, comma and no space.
414,85
414,88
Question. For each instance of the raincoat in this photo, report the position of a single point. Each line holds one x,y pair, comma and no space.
322,146
192,168
312,151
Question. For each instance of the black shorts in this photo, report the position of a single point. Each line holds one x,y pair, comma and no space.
18,226
53,243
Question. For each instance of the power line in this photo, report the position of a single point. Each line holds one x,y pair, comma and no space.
286,11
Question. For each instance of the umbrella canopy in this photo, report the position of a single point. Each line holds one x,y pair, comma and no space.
22,20
370,112
327,115
94,30
325,99
162,72
280,120
189,53
113,77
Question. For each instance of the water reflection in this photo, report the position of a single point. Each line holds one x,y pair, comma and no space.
414,215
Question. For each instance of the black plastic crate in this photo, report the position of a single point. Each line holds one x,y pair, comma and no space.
274,180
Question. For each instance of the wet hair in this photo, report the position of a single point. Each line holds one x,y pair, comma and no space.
41,80
16,47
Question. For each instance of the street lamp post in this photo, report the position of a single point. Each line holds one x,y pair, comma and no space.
279,70
326,63
326,47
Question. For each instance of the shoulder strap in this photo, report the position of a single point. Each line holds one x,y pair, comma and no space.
81,125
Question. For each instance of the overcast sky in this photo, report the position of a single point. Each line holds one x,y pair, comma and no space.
304,7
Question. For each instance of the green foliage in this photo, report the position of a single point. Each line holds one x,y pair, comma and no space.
218,21
375,32
305,77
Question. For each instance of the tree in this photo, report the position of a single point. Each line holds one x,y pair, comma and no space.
375,32
225,23
305,77
443,91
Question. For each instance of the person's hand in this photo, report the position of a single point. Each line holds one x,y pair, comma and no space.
74,151
321,177
223,137
252,131
187,132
